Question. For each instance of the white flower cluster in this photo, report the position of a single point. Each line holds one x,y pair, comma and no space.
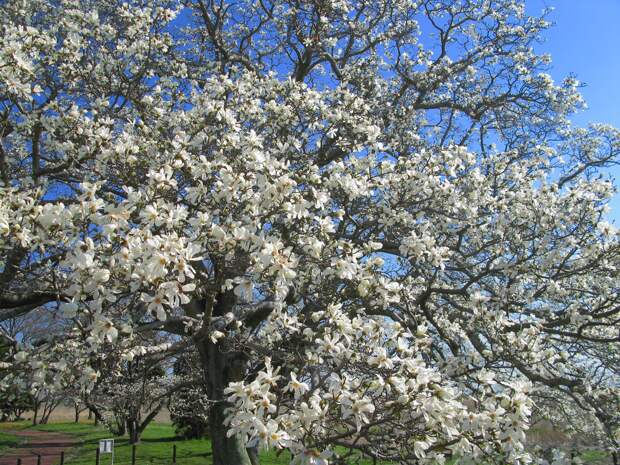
365,379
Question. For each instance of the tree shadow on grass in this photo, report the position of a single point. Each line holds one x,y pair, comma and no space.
175,439
12,443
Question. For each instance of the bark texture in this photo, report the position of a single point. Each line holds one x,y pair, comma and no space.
221,366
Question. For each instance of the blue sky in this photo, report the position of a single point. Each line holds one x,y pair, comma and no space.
585,40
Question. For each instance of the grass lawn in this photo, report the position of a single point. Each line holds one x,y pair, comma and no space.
155,447
7,441
594,456
14,425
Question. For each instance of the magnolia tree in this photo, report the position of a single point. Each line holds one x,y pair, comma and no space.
189,405
129,393
371,219
13,401
28,395
41,386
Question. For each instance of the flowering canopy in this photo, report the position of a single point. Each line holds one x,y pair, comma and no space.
370,218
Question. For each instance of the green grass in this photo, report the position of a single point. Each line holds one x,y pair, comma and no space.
155,447
15,425
593,456
8,440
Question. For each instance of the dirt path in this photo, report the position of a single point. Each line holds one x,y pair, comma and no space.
47,445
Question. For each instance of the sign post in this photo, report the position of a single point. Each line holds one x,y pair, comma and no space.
106,446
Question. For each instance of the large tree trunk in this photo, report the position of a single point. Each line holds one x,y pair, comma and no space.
219,371
253,454
220,367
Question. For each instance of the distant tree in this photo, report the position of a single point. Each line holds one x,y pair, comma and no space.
29,394
14,402
129,395
189,406
45,401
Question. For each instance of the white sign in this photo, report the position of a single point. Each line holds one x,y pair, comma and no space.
106,446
